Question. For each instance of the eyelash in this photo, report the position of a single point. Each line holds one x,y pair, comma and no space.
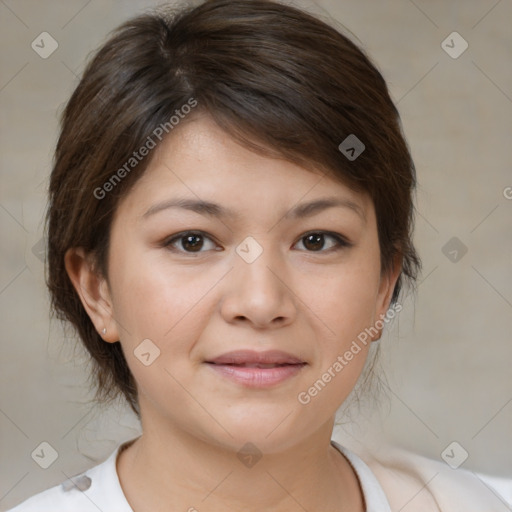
341,242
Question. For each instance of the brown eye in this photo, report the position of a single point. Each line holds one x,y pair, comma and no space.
189,242
192,243
316,241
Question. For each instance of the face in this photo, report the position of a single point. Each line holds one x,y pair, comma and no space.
229,313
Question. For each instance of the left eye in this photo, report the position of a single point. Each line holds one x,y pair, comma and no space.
315,241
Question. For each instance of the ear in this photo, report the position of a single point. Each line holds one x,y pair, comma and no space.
93,290
386,287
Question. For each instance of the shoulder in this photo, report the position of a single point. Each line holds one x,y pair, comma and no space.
96,489
414,483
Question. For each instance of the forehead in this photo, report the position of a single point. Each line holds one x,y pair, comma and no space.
199,162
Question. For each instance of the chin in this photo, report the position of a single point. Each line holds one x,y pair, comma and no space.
271,428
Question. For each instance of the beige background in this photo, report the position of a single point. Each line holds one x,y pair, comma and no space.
447,359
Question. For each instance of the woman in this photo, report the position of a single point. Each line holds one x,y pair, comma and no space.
229,229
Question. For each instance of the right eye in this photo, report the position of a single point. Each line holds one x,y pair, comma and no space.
188,242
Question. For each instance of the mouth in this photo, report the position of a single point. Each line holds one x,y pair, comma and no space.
257,365
269,358
257,369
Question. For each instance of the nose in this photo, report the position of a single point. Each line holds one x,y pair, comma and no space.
260,292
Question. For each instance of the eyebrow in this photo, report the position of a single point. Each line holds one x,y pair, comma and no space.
300,211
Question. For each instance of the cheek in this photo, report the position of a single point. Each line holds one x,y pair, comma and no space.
159,302
160,312
346,305
346,301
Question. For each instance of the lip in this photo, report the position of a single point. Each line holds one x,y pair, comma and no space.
252,357
257,369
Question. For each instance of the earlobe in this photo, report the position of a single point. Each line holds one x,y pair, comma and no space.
92,288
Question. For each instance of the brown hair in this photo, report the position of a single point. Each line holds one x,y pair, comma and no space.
277,79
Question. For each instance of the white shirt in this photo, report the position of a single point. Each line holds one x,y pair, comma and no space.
99,488
373,494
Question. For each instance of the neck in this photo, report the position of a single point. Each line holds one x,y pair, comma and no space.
166,470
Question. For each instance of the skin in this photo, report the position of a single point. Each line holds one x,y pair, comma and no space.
195,306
